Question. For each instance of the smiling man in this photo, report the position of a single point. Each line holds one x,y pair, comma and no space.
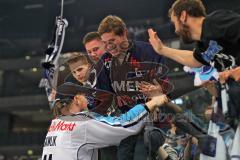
124,53
94,46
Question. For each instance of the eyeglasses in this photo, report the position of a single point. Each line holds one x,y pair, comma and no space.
123,46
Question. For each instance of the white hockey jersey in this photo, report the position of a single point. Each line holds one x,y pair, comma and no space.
78,136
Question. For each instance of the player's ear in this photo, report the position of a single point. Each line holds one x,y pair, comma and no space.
125,33
76,99
183,16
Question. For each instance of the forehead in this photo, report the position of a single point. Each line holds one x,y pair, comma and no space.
93,43
77,66
173,17
108,36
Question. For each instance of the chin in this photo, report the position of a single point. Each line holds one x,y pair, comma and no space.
95,59
80,80
114,54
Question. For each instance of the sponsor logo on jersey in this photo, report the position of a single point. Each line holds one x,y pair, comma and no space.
125,85
50,141
62,126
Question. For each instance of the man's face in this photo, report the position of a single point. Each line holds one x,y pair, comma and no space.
95,49
113,43
81,72
181,29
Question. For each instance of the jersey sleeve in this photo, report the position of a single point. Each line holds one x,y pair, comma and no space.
133,116
105,131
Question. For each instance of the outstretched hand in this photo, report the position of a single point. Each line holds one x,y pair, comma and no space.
155,40
232,73
236,74
156,101
160,100
150,90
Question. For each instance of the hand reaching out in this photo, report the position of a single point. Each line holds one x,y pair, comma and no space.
156,101
236,74
232,73
149,89
155,41
159,100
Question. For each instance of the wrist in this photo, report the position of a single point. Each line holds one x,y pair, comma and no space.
150,105
146,107
162,50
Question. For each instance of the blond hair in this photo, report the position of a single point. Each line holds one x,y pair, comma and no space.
59,106
77,57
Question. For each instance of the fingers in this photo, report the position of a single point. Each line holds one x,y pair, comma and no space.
165,98
151,32
223,76
233,73
150,90
144,86
236,74
155,41
148,87
155,82
144,83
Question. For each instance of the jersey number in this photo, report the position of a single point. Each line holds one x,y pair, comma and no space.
47,157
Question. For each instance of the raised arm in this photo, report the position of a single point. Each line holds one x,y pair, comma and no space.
183,57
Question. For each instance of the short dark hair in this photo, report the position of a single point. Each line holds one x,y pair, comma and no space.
91,36
113,24
194,8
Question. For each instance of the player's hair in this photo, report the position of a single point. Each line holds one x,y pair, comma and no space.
113,24
194,8
59,105
77,57
90,37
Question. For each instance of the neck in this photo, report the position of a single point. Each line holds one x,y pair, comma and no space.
95,61
196,28
119,58
73,109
